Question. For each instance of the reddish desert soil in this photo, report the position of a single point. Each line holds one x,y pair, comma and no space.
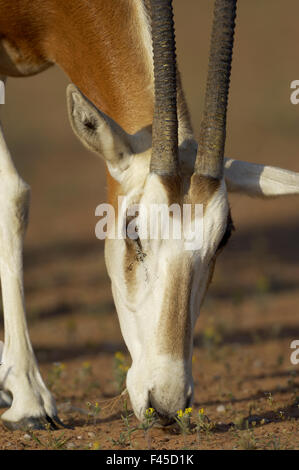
244,379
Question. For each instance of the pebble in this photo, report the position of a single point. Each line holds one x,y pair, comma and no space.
91,435
221,409
70,445
27,437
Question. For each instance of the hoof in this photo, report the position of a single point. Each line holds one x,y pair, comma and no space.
30,424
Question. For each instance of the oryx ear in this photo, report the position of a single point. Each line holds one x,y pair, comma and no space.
98,132
259,180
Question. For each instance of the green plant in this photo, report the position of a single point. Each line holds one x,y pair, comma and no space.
129,430
203,424
247,441
274,444
52,442
93,411
148,422
120,371
241,422
85,378
54,376
122,441
183,420
270,399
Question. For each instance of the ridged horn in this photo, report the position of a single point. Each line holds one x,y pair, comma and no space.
209,160
164,160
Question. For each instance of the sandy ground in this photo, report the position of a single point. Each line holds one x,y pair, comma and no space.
244,380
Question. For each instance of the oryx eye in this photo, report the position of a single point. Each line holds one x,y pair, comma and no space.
132,229
132,238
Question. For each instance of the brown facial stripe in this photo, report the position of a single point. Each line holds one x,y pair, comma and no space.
173,188
175,323
174,329
202,189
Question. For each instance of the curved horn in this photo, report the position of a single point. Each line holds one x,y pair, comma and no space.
209,160
164,159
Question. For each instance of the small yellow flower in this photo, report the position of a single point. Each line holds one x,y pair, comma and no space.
180,413
188,411
119,355
149,412
59,366
86,365
96,446
209,332
201,411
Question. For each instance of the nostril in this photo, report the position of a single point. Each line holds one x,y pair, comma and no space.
188,401
149,402
152,403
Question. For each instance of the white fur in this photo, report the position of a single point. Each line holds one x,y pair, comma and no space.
260,180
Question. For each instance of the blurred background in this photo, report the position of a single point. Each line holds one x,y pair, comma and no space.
256,285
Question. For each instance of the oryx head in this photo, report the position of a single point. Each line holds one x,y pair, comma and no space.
159,278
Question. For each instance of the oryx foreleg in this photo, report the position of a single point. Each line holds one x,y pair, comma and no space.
32,405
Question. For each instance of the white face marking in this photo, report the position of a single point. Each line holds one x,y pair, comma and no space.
156,326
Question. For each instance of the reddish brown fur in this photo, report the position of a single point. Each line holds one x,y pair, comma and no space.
95,42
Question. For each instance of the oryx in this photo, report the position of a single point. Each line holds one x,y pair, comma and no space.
134,115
